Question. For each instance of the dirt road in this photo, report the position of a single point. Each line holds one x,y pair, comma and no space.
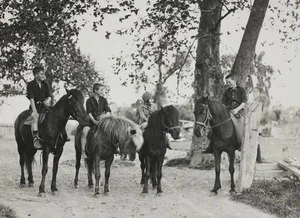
186,191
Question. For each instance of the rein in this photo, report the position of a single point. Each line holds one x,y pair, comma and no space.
208,118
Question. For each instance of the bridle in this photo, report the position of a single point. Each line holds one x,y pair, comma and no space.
169,128
63,117
208,117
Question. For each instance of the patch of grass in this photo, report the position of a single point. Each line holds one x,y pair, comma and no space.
277,197
6,212
178,162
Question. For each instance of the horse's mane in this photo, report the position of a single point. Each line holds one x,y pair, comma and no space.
116,130
155,121
74,92
217,108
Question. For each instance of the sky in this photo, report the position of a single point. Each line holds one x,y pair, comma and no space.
285,85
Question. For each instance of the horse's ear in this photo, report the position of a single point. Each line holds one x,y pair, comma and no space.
133,131
67,90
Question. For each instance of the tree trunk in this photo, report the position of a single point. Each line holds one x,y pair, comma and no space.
208,76
249,145
246,53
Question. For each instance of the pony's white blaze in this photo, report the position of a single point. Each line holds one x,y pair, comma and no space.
138,140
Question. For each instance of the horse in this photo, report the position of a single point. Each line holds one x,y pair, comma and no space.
103,139
151,155
50,132
222,134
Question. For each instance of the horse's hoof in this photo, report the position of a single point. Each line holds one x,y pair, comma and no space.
213,192
55,193
107,193
144,194
159,194
97,194
75,186
31,185
233,192
22,185
42,194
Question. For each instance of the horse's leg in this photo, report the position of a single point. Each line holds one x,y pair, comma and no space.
44,171
153,173
231,155
217,185
77,166
159,174
148,165
89,163
97,174
30,155
22,163
143,166
55,169
108,163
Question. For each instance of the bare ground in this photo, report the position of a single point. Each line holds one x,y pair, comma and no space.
186,191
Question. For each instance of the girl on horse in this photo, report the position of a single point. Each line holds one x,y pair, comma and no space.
147,108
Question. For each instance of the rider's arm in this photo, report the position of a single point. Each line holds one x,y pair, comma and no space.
30,95
107,108
142,114
32,104
92,118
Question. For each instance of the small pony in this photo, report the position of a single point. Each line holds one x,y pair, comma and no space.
102,141
222,136
50,132
151,155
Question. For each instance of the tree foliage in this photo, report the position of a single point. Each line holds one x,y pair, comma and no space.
45,33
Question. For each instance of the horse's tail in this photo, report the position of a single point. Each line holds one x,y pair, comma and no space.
29,160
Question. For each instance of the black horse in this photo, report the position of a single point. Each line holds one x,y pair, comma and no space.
151,155
50,132
102,141
222,135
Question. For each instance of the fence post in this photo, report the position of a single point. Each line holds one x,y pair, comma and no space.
253,112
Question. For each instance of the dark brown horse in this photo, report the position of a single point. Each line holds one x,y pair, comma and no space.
151,155
102,141
50,132
222,136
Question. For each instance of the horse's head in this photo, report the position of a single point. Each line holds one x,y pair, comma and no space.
202,116
171,121
133,143
76,103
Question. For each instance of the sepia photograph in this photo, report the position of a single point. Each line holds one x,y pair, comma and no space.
149,108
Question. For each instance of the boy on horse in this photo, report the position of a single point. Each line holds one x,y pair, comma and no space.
147,108
96,107
39,96
234,99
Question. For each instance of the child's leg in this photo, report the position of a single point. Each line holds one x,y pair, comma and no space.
34,125
34,129
83,140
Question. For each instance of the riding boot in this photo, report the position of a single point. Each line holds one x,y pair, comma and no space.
209,149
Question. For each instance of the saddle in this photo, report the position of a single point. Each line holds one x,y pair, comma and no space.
42,116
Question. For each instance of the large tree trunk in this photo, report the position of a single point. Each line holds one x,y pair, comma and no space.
208,76
246,53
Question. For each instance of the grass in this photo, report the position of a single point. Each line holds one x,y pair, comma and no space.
280,197
6,212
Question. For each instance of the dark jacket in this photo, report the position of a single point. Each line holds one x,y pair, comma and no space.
39,94
97,108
